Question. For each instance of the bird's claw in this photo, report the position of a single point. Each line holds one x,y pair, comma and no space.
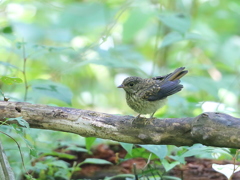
150,121
135,119
146,121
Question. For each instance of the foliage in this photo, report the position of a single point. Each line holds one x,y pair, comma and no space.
74,53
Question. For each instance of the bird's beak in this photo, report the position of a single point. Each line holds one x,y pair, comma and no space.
120,86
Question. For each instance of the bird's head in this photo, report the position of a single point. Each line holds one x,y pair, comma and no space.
131,84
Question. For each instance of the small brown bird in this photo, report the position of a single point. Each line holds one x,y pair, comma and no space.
146,96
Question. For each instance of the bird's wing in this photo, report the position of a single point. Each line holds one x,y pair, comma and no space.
161,90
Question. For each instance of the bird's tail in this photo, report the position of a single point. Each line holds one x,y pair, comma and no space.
177,74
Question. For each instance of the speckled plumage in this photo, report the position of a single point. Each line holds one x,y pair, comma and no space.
146,96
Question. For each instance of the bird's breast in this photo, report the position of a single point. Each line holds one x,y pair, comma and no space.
143,106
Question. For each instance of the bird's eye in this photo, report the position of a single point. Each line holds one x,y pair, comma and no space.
131,84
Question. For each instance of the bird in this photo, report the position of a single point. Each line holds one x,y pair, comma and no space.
146,96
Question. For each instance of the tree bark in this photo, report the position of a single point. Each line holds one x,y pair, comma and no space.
209,128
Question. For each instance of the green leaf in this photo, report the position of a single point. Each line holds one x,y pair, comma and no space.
180,159
18,129
114,63
59,163
199,149
2,93
159,150
90,15
20,121
171,178
128,147
174,37
226,169
7,30
28,143
20,44
10,80
29,177
62,172
168,166
117,57
95,161
8,65
89,142
39,166
121,176
60,155
33,152
139,18
139,152
78,149
52,89
176,21
204,83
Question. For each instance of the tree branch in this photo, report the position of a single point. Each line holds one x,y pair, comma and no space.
210,128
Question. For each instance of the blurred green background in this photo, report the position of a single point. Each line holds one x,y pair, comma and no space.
75,53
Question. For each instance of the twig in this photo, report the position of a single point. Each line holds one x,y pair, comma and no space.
18,148
234,164
106,32
24,70
135,171
4,97
149,160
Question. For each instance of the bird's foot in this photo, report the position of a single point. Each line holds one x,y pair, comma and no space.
146,121
136,118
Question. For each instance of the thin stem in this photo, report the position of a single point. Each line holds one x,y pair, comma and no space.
4,97
24,71
149,160
20,151
107,31
135,171
234,163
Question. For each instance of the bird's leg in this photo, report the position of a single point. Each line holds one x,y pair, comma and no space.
151,118
152,114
